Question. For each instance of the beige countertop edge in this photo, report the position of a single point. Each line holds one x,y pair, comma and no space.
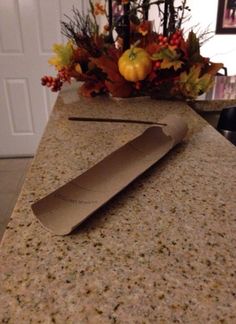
211,105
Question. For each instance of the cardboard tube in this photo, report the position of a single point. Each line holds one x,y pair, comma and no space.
175,127
64,209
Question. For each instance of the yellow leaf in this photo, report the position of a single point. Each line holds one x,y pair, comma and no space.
63,57
168,57
192,85
165,64
78,68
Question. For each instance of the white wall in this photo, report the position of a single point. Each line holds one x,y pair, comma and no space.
221,48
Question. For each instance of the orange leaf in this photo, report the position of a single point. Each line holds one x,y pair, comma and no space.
109,66
81,55
92,88
213,68
153,48
120,89
114,53
82,76
183,47
115,82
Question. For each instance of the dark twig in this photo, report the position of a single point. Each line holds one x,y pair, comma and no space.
80,29
145,9
108,120
126,30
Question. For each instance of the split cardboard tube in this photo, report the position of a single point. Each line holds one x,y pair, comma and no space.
64,209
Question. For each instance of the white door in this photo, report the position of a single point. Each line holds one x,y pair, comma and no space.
28,28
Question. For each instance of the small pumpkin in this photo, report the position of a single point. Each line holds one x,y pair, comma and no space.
135,64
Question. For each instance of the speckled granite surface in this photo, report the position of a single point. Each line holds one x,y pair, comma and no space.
162,251
211,105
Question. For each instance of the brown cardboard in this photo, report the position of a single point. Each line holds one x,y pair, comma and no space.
67,207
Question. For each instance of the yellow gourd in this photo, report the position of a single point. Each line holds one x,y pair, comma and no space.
135,64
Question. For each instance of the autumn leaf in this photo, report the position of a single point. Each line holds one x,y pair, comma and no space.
63,55
213,68
120,89
191,84
193,49
169,58
109,66
80,55
184,48
193,44
205,82
165,64
114,53
92,88
166,53
115,82
82,76
153,48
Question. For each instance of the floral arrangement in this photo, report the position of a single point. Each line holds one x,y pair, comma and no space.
127,57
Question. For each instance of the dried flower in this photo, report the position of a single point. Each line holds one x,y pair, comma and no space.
144,28
106,29
99,9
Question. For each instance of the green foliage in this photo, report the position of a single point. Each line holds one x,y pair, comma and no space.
169,58
191,84
193,48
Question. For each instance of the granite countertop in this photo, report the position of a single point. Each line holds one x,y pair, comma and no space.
162,251
211,105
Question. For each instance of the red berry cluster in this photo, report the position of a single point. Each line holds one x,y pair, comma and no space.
64,75
157,65
162,41
54,83
175,39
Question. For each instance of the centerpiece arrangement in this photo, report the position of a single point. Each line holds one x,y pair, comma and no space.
127,57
